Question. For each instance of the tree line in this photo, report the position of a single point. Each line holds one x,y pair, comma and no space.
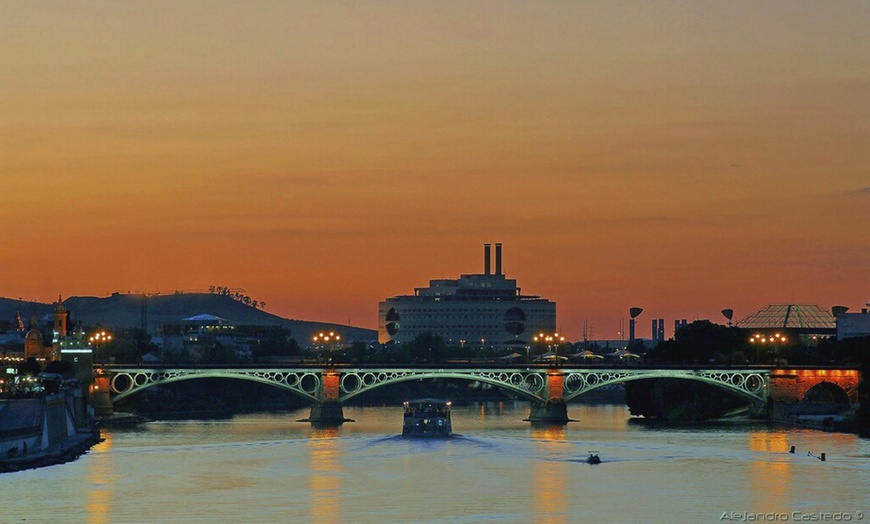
238,295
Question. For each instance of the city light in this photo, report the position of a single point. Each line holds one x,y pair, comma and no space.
767,339
552,341
324,340
760,339
549,338
99,339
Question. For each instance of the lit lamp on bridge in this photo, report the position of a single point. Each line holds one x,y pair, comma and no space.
99,339
759,340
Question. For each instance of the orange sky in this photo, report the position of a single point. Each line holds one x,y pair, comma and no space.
675,155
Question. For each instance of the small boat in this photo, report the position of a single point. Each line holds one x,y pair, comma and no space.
593,458
427,417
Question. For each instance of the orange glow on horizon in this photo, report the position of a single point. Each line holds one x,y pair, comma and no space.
325,158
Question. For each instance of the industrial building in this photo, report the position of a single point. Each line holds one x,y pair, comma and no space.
475,311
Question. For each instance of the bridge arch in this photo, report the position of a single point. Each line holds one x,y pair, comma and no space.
753,386
126,383
826,392
529,385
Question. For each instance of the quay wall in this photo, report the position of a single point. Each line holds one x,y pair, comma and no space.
33,425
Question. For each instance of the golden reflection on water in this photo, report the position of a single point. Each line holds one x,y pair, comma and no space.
770,480
550,497
773,476
487,410
325,475
99,476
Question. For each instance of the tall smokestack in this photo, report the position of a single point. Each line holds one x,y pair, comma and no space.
486,259
498,258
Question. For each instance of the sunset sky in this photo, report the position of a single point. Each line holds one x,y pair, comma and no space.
680,156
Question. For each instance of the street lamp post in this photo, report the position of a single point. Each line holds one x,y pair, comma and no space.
777,339
760,339
551,340
98,339
328,341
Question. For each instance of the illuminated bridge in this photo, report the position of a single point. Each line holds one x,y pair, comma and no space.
547,388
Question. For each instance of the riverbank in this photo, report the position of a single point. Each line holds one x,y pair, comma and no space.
68,450
830,417
45,429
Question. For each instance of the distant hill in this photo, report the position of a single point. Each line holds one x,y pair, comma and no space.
9,306
121,311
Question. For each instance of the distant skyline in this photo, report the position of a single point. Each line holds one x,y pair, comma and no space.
679,156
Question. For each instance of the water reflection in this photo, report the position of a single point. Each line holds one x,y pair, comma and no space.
325,477
780,479
266,468
550,501
770,477
100,475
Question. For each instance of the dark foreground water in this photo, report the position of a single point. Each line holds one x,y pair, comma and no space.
269,468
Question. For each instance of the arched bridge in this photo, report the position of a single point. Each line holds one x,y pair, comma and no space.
319,384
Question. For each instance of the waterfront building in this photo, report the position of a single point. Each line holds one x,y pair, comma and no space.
194,334
475,310
853,324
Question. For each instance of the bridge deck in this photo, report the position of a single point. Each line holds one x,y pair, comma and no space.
536,382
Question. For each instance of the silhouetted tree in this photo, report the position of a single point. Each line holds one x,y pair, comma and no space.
213,352
358,352
697,342
851,351
30,368
61,367
276,341
427,347
862,416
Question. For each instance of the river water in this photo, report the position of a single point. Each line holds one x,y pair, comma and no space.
269,468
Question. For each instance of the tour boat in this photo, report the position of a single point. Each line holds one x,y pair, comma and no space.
427,417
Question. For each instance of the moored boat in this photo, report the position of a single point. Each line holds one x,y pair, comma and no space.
427,417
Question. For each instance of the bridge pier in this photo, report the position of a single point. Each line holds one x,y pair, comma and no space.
327,411
326,414
555,410
100,398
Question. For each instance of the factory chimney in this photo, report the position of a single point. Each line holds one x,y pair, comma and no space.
498,258
486,259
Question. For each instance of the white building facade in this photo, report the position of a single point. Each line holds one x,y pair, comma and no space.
474,311
853,324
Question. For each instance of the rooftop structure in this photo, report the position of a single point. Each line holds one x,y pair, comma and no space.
805,319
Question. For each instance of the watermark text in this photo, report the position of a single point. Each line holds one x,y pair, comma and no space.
792,516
